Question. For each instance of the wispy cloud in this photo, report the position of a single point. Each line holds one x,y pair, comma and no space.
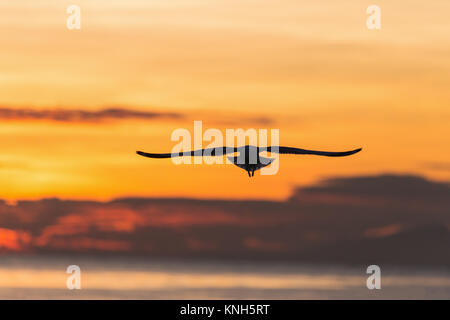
82,115
442,166
120,113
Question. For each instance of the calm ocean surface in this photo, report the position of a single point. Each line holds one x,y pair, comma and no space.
127,278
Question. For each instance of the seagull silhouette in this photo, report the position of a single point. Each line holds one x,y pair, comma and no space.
248,158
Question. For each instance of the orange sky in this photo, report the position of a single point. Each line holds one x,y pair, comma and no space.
315,69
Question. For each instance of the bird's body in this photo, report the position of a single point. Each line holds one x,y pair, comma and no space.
248,158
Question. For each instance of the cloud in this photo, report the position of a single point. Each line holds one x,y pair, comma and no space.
387,219
243,121
384,231
13,240
117,114
401,186
86,244
80,115
443,166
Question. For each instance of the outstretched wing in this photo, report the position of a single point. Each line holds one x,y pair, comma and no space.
289,150
219,151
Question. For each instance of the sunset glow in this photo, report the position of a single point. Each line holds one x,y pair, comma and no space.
326,82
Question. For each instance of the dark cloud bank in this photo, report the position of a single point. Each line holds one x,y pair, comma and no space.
387,219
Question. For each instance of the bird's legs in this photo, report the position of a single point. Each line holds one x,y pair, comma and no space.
253,173
249,174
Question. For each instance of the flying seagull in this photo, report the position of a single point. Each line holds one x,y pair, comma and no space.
248,158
